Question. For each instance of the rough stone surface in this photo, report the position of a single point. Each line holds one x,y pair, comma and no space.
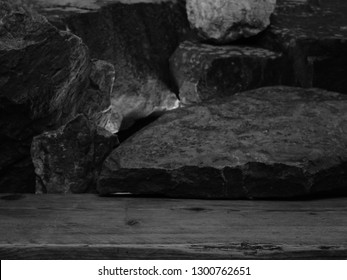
223,21
44,74
313,34
40,66
97,100
81,6
276,142
68,160
139,40
40,70
204,71
138,37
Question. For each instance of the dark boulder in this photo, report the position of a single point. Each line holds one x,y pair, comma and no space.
44,77
204,71
275,142
68,160
313,34
138,38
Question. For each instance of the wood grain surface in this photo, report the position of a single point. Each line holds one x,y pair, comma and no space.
93,227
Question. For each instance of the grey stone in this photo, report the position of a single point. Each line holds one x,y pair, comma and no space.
138,38
204,71
224,21
46,79
274,142
68,160
313,35
42,71
97,100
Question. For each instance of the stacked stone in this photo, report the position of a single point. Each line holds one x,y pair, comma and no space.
214,65
47,79
231,143
251,126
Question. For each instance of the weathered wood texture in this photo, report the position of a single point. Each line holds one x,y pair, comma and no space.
92,227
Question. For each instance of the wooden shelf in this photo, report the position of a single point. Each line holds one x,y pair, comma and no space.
93,227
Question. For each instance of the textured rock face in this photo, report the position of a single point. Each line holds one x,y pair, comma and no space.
138,39
40,66
203,71
224,21
68,160
97,100
44,76
313,35
276,142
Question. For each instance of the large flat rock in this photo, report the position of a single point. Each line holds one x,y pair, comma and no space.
275,142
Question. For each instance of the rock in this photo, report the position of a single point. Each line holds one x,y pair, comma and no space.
296,6
104,143
97,100
138,38
40,70
224,21
44,77
68,160
109,119
204,71
274,142
135,99
313,35
102,76
33,51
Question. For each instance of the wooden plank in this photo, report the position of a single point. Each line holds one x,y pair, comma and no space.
93,227
162,252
